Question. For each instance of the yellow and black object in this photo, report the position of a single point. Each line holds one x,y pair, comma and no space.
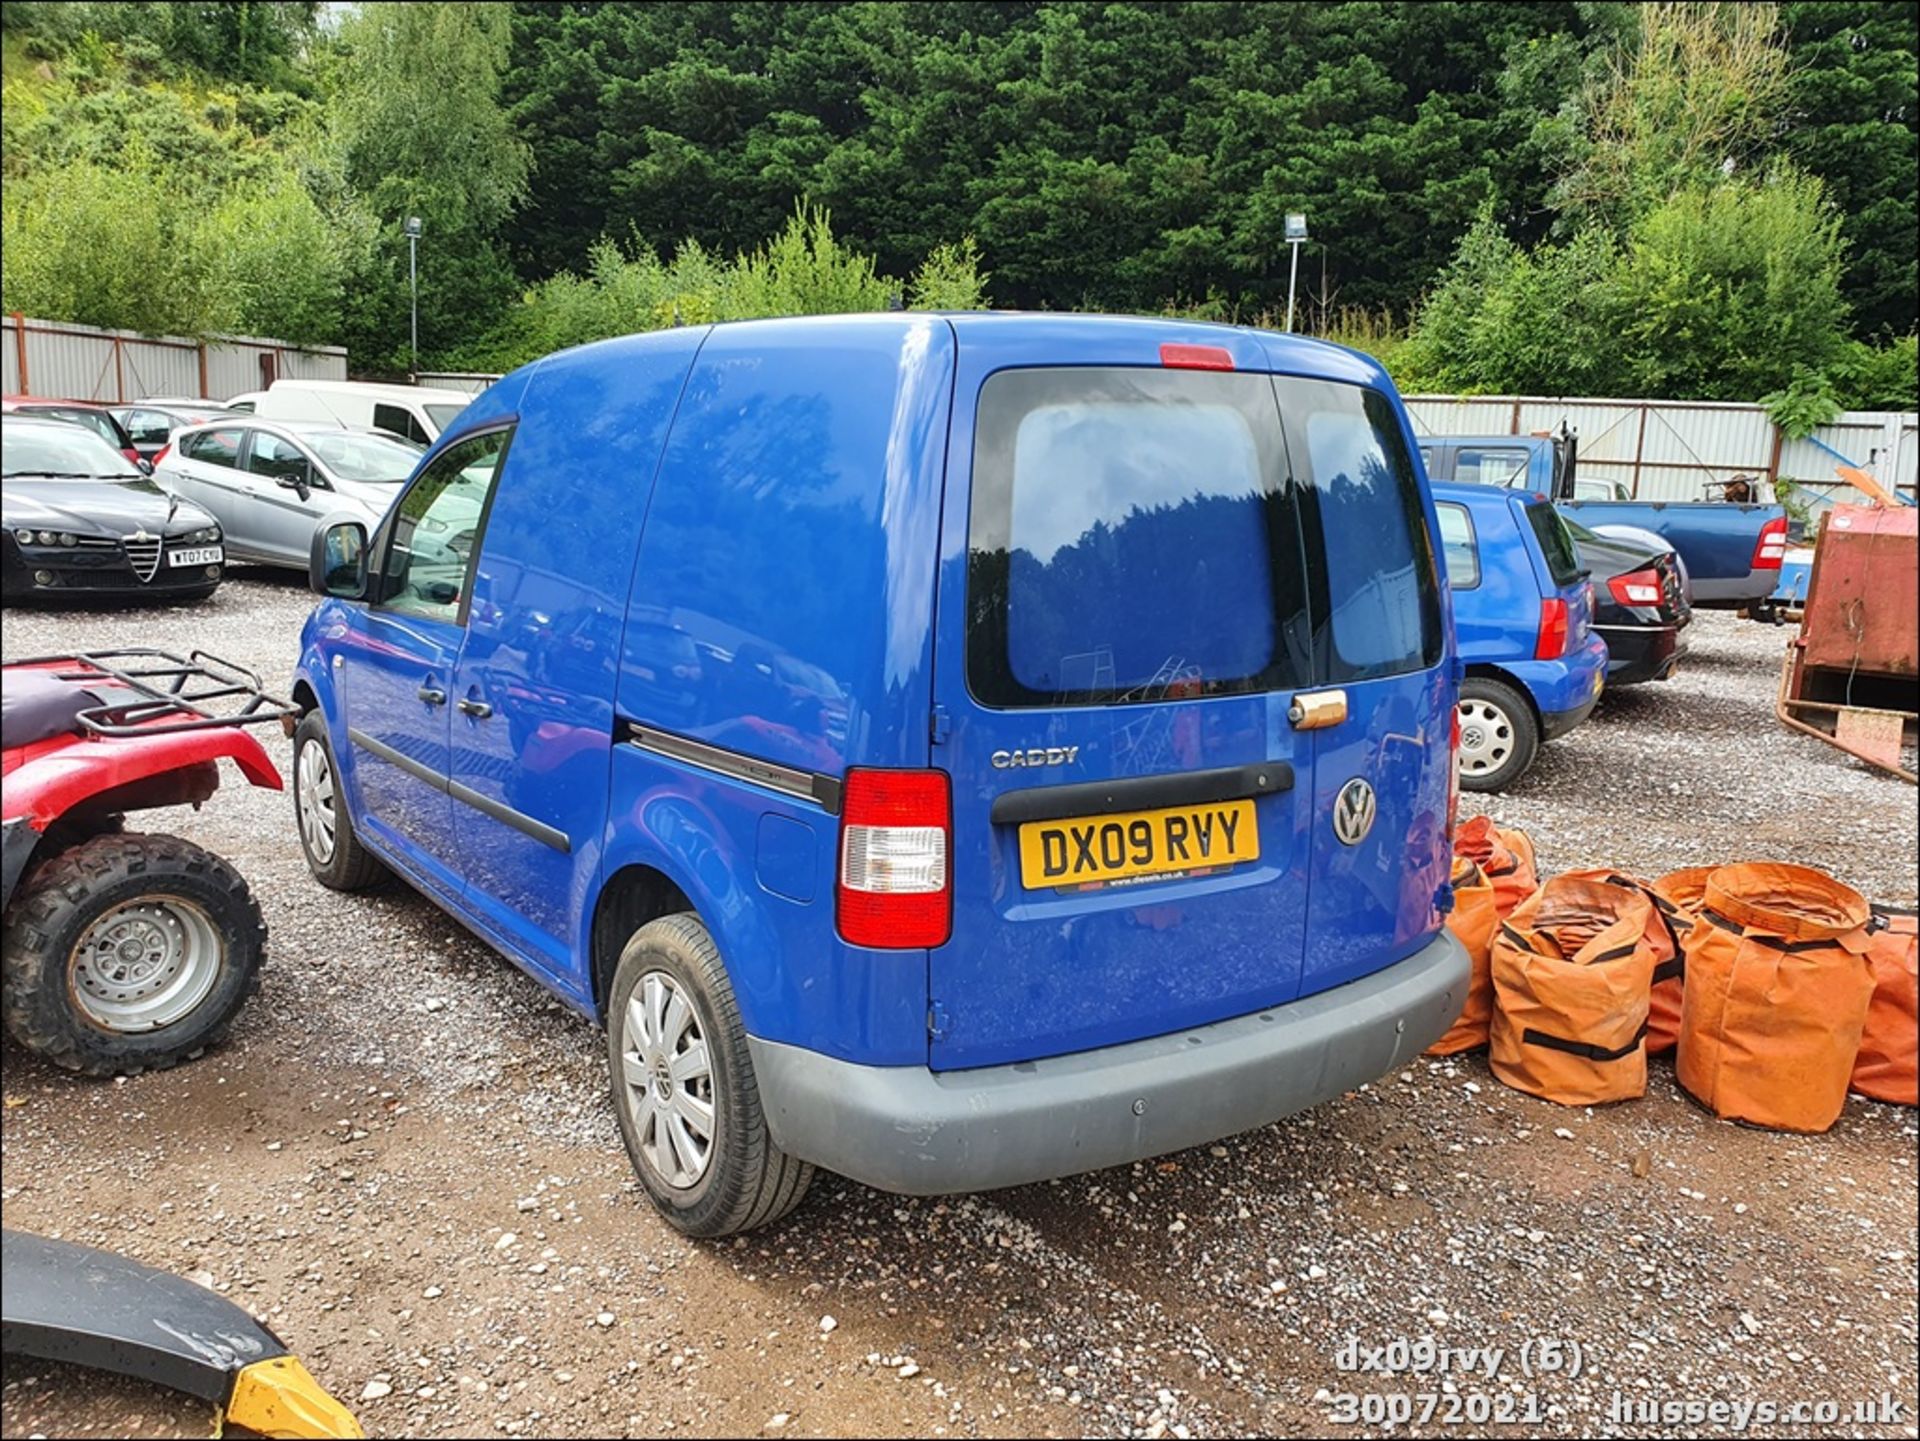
62,1302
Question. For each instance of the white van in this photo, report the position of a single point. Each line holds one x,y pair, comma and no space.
413,412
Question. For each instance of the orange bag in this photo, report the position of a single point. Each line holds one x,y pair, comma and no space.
1670,926
1776,996
1505,856
1473,922
1888,1066
1572,967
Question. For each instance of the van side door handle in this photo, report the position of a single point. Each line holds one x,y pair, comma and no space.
432,695
478,709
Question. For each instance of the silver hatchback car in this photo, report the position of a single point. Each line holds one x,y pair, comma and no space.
270,482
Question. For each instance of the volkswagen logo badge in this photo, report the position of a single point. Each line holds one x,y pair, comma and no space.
1353,812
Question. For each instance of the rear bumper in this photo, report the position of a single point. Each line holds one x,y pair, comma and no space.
1640,653
1754,586
928,1133
1565,691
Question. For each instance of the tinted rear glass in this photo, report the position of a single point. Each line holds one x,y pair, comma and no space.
1562,564
1131,539
1377,595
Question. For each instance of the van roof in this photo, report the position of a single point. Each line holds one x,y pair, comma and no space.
1048,338
374,388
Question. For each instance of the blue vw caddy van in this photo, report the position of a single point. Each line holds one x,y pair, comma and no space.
954,751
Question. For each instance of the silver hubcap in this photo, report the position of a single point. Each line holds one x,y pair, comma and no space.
145,964
314,800
666,1080
1486,737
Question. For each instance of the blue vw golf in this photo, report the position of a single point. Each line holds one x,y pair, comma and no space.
952,750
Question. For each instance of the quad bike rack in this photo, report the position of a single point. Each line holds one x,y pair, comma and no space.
163,685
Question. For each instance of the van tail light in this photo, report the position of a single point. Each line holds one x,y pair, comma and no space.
896,834
133,455
1552,643
1196,357
1639,587
1771,548
161,454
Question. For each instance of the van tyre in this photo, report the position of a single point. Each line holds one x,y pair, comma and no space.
334,854
129,953
684,1089
1498,735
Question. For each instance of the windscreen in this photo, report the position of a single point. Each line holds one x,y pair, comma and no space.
60,451
374,458
1131,539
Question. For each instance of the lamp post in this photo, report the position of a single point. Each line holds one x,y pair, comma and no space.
413,283
1296,235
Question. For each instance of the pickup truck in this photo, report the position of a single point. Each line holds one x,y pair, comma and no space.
1731,550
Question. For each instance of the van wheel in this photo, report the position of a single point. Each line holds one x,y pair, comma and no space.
1498,735
334,854
129,953
684,1090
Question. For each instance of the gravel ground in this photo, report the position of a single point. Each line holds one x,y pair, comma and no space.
405,1160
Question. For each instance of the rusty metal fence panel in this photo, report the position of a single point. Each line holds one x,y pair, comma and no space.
83,362
1676,450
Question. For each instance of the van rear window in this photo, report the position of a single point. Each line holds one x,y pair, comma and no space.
1131,539
1562,562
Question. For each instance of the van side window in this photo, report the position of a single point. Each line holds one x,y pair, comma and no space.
1131,539
436,529
1457,545
1377,594
401,421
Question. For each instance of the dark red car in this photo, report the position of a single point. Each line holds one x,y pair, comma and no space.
95,417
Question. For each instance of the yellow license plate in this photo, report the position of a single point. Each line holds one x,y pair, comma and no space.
1096,851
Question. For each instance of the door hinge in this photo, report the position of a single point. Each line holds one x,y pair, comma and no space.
941,726
937,1022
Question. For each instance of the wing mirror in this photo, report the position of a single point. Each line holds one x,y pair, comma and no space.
337,560
298,481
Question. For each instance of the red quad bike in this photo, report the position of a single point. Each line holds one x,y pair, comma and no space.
123,952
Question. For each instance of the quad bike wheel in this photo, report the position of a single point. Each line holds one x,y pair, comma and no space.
128,953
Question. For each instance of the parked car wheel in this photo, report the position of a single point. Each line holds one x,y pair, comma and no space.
1498,735
684,1090
334,854
129,953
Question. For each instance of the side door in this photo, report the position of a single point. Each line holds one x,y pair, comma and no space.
1382,770
396,679
205,469
289,496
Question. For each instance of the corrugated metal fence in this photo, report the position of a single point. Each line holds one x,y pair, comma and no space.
471,381
82,362
1672,449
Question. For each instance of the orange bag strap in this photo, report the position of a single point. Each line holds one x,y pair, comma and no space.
1584,1049
1768,939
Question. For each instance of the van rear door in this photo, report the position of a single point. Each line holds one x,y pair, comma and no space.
1122,624
1383,768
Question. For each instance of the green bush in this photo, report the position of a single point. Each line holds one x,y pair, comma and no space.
804,270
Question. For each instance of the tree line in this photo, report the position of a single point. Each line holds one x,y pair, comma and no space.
1699,200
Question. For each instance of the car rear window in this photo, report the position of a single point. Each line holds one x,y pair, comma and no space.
1131,539
1562,563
